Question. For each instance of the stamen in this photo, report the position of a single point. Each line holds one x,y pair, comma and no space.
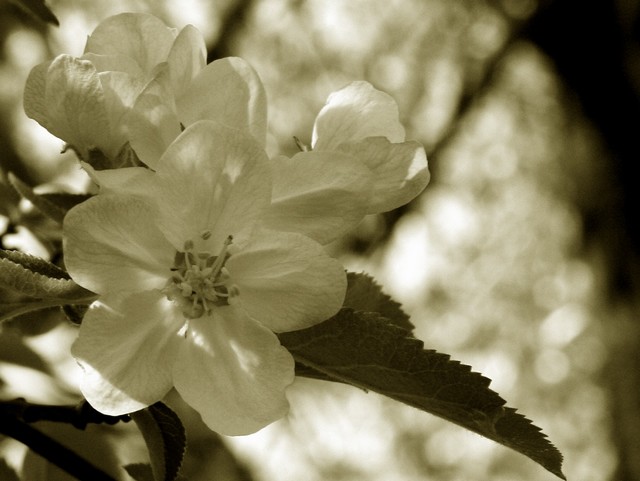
199,280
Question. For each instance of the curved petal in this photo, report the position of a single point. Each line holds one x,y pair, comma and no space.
400,171
120,92
353,113
286,281
153,123
188,56
230,92
68,100
34,99
127,351
115,63
234,373
320,194
211,178
122,181
141,36
112,246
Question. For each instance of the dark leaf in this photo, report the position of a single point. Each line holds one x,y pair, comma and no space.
48,208
38,9
366,351
75,312
140,471
165,438
364,294
53,205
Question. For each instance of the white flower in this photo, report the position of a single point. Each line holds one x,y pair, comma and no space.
362,121
141,82
360,164
192,287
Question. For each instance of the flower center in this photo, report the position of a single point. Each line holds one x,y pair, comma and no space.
200,280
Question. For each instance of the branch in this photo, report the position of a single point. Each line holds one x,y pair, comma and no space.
78,416
50,449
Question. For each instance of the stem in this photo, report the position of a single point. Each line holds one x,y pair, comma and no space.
78,416
51,450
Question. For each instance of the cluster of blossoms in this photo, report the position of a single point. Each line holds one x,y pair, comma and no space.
199,246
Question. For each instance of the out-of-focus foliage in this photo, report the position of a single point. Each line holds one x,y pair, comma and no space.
489,262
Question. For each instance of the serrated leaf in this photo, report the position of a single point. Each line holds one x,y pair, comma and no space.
37,278
34,264
165,438
365,294
53,205
38,9
366,351
140,471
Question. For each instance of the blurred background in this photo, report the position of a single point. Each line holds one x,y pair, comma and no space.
520,258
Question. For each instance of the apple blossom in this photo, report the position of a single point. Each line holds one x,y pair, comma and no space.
139,83
363,121
192,286
360,164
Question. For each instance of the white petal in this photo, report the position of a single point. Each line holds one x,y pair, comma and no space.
153,123
320,194
115,63
120,92
123,180
234,373
188,56
140,36
35,104
353,113
127,351
112,246
211,178
230,92
68,100
400,171
286,280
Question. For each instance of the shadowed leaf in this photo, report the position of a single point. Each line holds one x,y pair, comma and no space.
364,294
165,438
53,205
366,351
38,9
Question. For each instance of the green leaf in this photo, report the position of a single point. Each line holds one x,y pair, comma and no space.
165,438
38,9
364,294
53,205
365,350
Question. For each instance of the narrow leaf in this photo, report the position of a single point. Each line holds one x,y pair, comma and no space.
37,278
53,205
38,9
165,438
367,351
365,294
